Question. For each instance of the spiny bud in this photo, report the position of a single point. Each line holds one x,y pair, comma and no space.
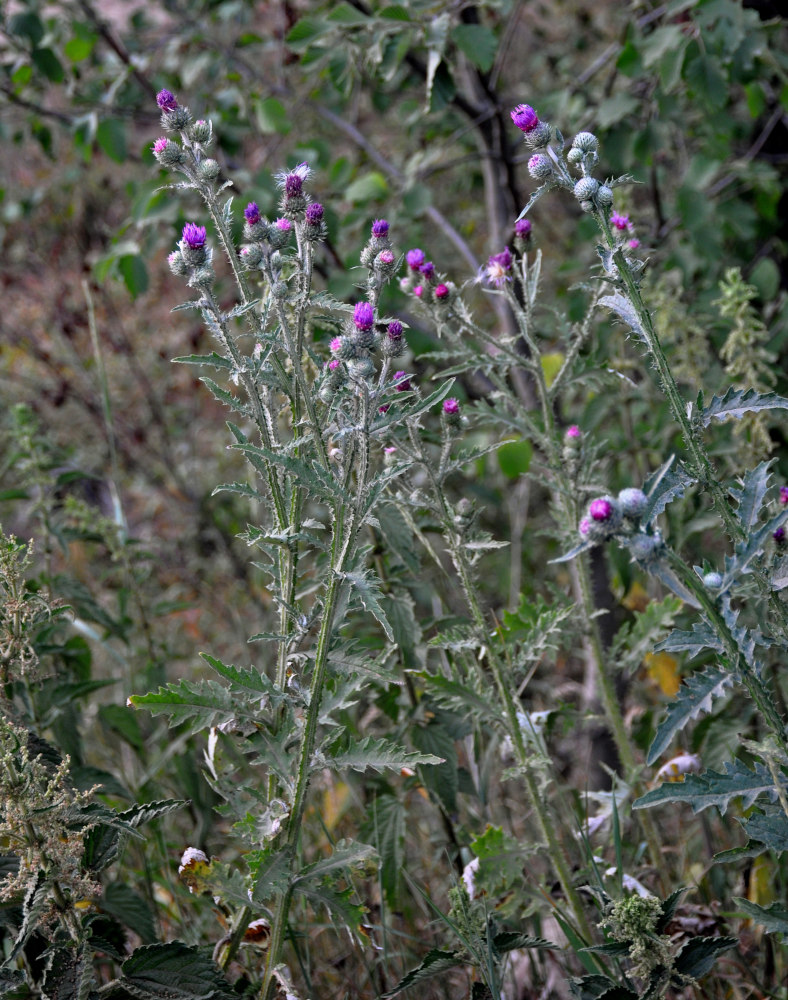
604,196
361,368
393,344
586,189
644,547
193,244
574,156
539,167
208,169
601,509
201,131
586,142
167,152
451,413
713,580
279,233
539,137
203,277
251,256
633,502
380,229
177,264
384,263
279,290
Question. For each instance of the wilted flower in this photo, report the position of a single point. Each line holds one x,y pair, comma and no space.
498,268
292,181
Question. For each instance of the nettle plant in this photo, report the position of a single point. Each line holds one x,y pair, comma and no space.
352,475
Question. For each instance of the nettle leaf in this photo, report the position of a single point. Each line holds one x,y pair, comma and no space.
35,904
623,308
139,814
750,497
663,486
173,971
736,402
509,940
347,854
366,587
698,956
694,640
714,788
433,964
69,974
387,827
270,870
695,696
378,754
13,985
773,919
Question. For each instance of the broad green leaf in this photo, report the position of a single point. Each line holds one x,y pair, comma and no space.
272,116
514,457
433,964
111,137
695,696
435,740
78,49
713,788
123,903
774,918
26,25
13,985
371,186
345,14
173,971
69,974
48,63
478,43
305,31
698,956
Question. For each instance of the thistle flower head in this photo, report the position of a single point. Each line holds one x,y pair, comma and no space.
428,270
620,222
335,344
166,100
380,229
441,292
160,145
283,225
314,213
779,535
498,267
252,213
292,181
363,316
601,509
334,363
522,228
573,431
194,235
524,117
633,244
394,330
418,291
451,406
415,258
539,167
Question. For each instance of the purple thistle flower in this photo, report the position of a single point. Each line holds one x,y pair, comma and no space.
784,495
601,509
498,267
386,257
524,117
284,225
335,344
428,270
166,100
194,235
418,291
522,228
293,186
363,316
633,244
620,222
451,406
441,291
380,229
415,258
394,331
779,535
404,385
573,431
584,527
292,180
334,363
252,213
314,213
160,145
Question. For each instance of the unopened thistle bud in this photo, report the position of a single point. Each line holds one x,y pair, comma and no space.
586,142
713,580
201,131
428,270
315,227
540,167
604,516
442,293
384,263
361,368
208,169
251,256
574,156
344,348
633,502
645,547
418,291
601,509
604,196
279,289
177,264
380,230
586,189
173,116
203,277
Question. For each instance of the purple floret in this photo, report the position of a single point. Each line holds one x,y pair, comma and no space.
415,258
314,213
252,213
380,228
166,100
363,316
194,235
524,117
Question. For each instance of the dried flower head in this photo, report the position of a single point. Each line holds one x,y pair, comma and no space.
292,181
498,268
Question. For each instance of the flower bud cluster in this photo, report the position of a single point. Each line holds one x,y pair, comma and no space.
620,516
423,281
192,258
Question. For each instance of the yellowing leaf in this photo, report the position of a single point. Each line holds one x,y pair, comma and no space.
335,801
664,669
636,598
762,881
551,365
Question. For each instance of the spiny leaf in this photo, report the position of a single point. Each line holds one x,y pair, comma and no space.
247,677
365,585
750,497
736,402
433,964
461,698
623,308
213,359
203,704
537,194
243,489
750,548
148,811
770,828
509,940
695,696
35,904
713,788
69,974
663,486
225,397
344,855
701,636
378,754
774,918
